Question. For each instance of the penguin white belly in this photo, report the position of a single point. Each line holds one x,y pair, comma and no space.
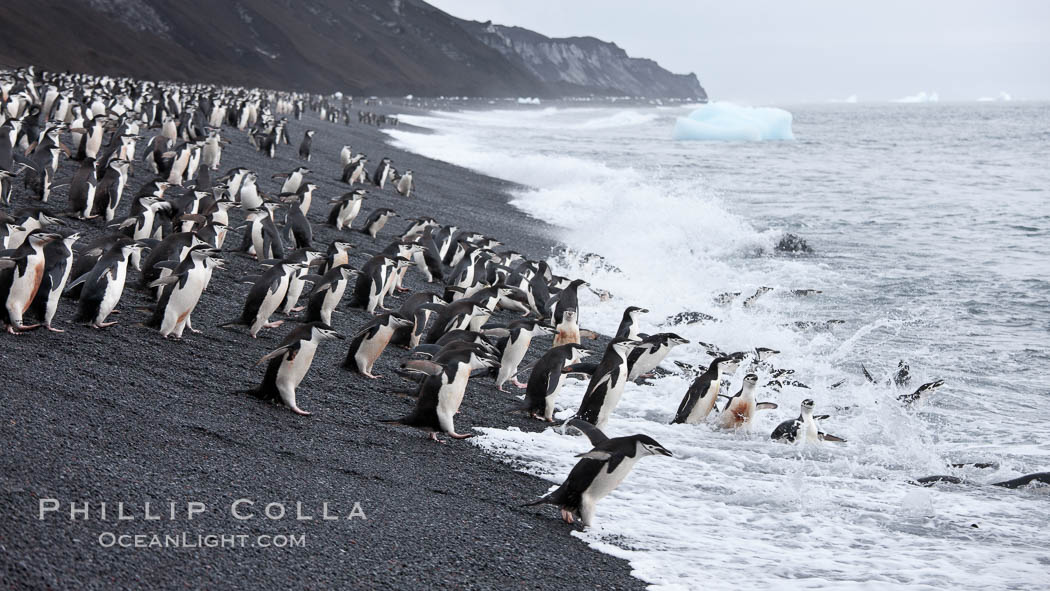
808,431
703,407
449,399
512,357
603,484
568,333
269,305
612,399
295,289
250,197
56,292
23,289
371,349
548,410
258,244
295,370
181,304
114,289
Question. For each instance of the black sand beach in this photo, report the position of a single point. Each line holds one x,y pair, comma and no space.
122,415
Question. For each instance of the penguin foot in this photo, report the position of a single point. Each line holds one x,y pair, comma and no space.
53,329
460,435
21,328
273,324
403,289
103,324
502,389
194,330
298,309
519,384
300,411
371,376
566,515
434,437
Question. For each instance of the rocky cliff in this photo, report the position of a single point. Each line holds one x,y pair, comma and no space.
381,47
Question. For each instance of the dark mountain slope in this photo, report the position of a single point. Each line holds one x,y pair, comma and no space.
382,47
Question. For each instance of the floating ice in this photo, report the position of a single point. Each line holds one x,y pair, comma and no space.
1003,96
524,100
922,97
851,99
726,121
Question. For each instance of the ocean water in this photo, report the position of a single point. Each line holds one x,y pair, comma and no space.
931,230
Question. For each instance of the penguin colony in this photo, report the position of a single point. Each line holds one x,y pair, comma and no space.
171,228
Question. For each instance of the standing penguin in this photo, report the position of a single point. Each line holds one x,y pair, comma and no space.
327,292
82,190
297,228
515,346
404,184
58,261
265,296
567,330
104,284
700,399
741,408
20,277
547,378
181,291
382,173
290,362
629,324
368,344
304,146
606,385
440,395
346,209
598,472
804,429
376,220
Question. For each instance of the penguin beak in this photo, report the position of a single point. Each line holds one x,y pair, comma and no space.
665,451
339,336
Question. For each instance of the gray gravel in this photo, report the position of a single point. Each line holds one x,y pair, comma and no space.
123,415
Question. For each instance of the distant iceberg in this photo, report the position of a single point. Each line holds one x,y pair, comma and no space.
730,122
851,99
922,97
523,100
1003,96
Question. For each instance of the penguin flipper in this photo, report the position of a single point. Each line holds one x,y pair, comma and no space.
595,454
76,282
275,353
766,406
830,437
166,280
594,434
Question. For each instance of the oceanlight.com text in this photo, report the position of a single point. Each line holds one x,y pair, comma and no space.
191,540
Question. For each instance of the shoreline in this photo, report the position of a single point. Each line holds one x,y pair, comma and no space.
121,415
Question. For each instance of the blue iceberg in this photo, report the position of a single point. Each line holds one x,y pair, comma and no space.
729,122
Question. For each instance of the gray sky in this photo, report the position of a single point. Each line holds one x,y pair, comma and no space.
764,51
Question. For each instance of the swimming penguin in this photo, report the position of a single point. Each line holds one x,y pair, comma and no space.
1037,479
327,293
546,379
921,393
58,261
346,209
376,220
702,395
741,408
804,429
440,395
265,296
289,363
515,347
404,184
606,385
368,344
598,472
649,352
20,277
304,146
628,328
181,291
750,301
104,284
